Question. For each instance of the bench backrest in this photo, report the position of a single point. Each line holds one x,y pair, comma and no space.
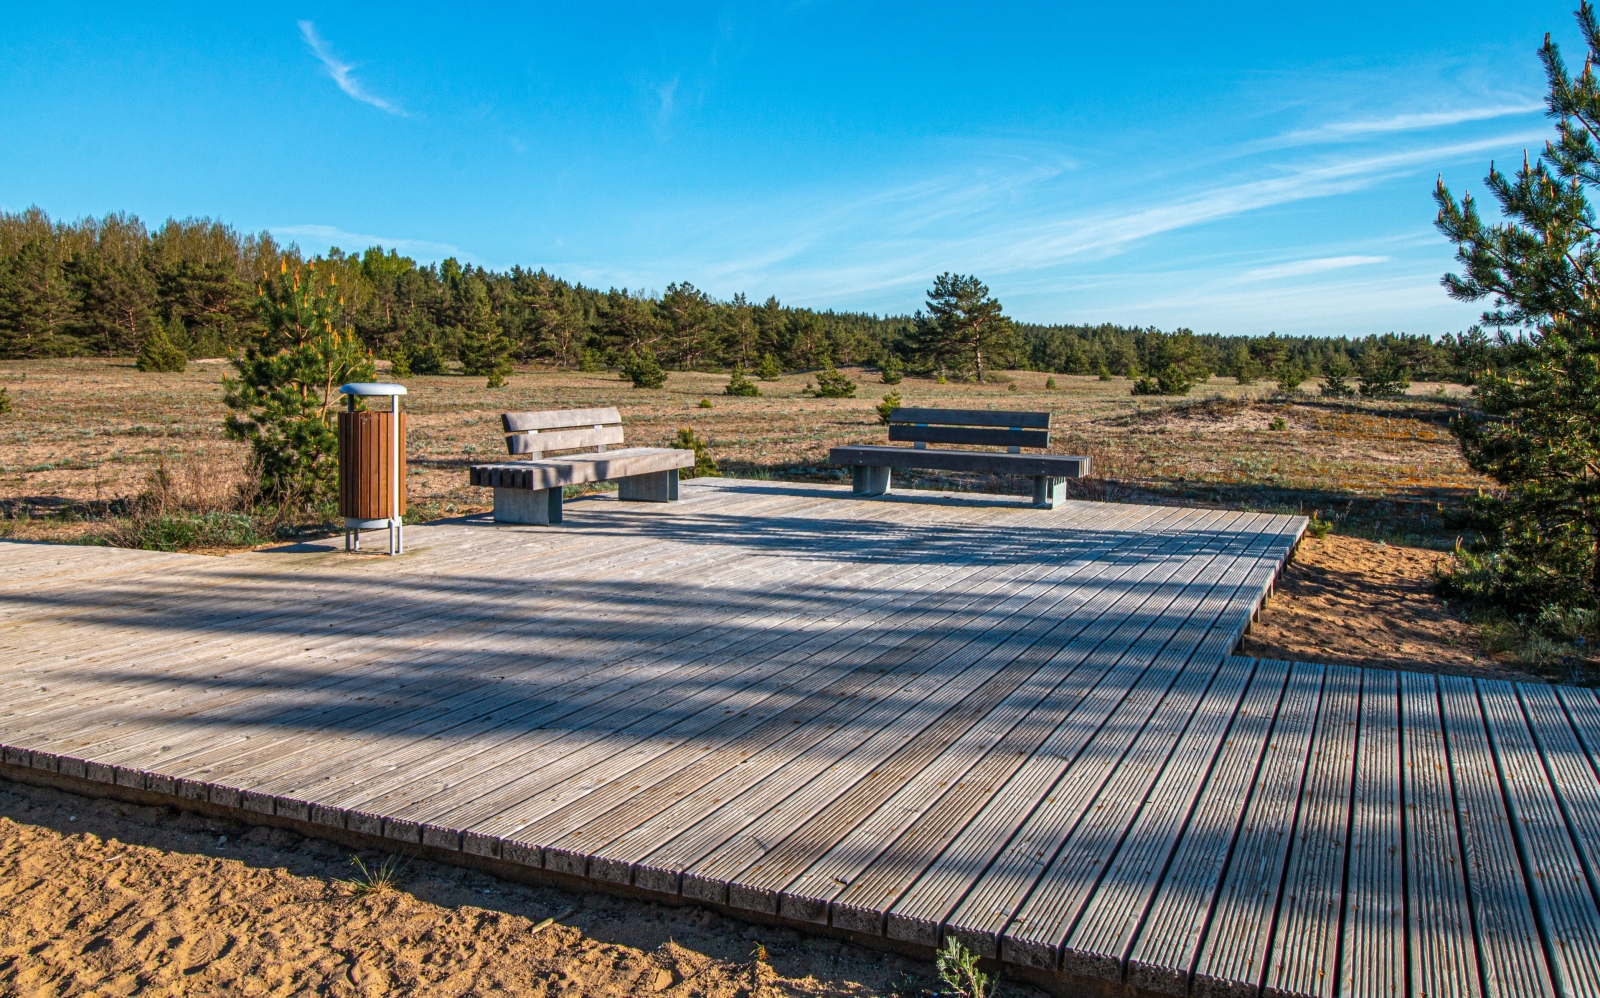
534,434
981,427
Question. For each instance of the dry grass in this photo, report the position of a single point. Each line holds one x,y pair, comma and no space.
85,435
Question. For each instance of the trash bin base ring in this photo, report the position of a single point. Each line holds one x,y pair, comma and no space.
379,524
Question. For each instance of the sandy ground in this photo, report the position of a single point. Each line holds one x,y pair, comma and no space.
101,898
1350,601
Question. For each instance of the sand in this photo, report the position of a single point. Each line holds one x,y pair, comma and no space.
1350,601
102,898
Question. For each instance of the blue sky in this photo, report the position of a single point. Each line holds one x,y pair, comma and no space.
1236,170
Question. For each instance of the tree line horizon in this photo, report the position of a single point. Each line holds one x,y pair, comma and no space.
107,286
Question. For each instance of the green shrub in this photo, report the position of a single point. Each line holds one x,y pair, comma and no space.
1171,380
641,367
958,969
833,385
1318,527
893,371
1278,423
1103,372
1290,378
158,353
706,404
704,465
5,401
890,403
423,358
742,386
769,369
590,362
1050,384
188,531
1336,382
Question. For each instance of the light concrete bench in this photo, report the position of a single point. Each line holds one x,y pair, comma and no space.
529,490
870,466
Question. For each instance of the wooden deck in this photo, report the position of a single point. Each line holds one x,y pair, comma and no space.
905,717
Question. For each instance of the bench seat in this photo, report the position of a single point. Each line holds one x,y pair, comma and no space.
984,462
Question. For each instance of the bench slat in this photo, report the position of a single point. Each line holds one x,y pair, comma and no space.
976,435
540,443
558,419
972,417
580,468
1053,465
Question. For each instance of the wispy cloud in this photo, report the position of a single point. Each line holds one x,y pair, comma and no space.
1345,131
340,71
1302,268
355,241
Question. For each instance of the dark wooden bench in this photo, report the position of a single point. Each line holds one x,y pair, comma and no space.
529,490
870,466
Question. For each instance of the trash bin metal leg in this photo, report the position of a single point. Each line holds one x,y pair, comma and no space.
657,486
526,506
1048,492
869,480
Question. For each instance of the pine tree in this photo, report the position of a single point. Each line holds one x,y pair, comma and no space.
963,326
158,352
285,390
1536,430
485,351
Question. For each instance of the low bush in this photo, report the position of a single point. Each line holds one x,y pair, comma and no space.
641,367
1170,380
769,369
833,385
890,403
704,465
741,386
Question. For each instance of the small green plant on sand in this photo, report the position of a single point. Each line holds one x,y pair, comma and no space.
374,879
704,464
706,404
1278,423
1318,527
5,401
890,403
1050,384
958,969
741,385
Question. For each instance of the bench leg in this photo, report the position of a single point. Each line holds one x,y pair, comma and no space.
536,506
867,480
658,486
1048,492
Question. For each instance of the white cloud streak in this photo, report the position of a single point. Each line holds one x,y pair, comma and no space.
340,71
1347,131
355,242
1303,268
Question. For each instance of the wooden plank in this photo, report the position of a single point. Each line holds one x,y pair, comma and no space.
1098,942
975,436
1373,958
1034,934
971,417
982,462
615,822
507,821
983,917
555,419
554,440
863,905
1510,956
735,819
1305,948
660,870
1554,713
1164,951
1443,961
1233,960
811,895
1568,922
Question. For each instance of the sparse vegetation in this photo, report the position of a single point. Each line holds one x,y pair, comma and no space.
376,879
886,408
639,365
740,385
833,385
958,970
704,464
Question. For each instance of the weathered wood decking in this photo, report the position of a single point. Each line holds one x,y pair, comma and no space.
905,718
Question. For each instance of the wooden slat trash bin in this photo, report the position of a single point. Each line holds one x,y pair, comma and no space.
372,465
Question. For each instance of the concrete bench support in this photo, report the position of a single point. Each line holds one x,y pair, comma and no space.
1048,492
539,506
869,480
657,486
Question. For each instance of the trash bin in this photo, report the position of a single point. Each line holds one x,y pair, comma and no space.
372,465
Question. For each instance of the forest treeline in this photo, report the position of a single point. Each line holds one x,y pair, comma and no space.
105,286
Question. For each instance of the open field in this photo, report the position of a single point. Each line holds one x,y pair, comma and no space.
88,432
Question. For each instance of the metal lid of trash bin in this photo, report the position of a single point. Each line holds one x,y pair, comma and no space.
371,388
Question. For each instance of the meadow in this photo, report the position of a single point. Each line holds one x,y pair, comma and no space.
85,436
